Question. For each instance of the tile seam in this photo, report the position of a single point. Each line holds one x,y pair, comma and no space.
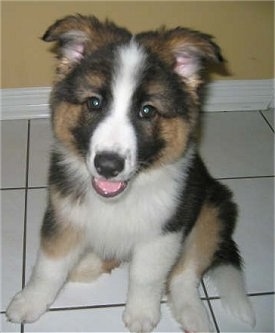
25,214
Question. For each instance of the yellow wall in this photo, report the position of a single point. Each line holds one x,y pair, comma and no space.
244,30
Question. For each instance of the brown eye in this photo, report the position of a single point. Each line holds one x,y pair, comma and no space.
94,103
147,112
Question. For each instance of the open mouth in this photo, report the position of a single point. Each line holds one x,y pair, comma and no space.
107,188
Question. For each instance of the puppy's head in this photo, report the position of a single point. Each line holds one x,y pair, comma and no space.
125,103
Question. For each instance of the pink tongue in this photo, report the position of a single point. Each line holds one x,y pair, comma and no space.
107,188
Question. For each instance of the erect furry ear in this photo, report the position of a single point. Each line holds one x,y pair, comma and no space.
78,35
71,45
71,34
192,50
186,50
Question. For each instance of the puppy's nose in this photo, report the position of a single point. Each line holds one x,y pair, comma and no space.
108,164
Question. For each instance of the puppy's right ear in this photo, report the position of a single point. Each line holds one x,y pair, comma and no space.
71,35
78,35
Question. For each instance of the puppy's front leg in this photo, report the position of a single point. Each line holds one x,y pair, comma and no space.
58,252
149,269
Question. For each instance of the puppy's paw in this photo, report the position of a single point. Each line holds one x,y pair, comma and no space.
192,317
26,307
141,319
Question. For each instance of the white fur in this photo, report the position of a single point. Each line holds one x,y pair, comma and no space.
185,302
116,133
148,274
47,278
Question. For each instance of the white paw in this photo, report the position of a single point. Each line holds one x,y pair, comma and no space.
192,317
141,320
27,307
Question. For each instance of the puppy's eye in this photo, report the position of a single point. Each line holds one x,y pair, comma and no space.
147,112
94,103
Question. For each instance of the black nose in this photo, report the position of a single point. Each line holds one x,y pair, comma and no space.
109,164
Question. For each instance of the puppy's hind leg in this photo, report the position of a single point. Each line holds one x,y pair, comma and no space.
91,267
199,249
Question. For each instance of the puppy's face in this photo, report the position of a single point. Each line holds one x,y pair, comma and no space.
125,103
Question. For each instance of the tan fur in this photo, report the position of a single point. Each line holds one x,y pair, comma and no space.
61,242
91,267
202,243
109,265
64,237
175,132
63,67
66,117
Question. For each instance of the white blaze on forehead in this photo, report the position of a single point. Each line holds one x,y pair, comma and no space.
130,63
116,133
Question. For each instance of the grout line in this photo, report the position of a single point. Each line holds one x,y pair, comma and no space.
102,306
99,306
210,307
266,120
26,204
25,214
12,188
233,111
244,177
267,293
24,188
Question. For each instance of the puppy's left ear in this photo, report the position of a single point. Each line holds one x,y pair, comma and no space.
186,51
192,52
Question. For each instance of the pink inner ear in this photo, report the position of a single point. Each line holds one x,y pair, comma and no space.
74,52
73,44
186,65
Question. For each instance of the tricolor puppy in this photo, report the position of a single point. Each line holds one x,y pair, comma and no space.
126,182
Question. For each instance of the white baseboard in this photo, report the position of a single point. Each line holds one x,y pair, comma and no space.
233,95
237,95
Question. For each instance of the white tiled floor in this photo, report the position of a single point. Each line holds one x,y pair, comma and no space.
237,147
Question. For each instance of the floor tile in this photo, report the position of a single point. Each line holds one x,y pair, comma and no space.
264,310
255,231
79,320
12,216
6,326
269,116
94,320
237,144
14,149
40,144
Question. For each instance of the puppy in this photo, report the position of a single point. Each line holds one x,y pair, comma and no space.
126,182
